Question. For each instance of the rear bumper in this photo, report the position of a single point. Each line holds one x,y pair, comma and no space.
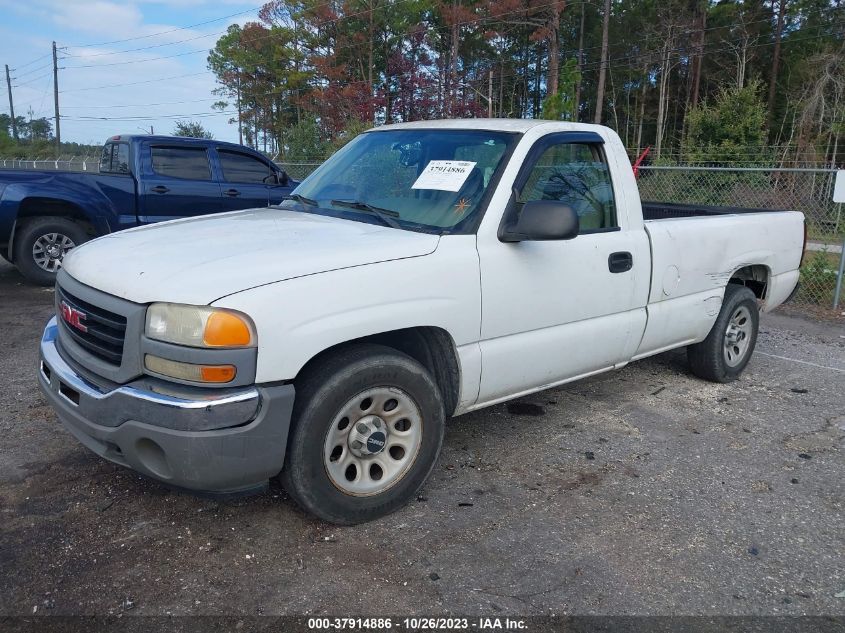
143,427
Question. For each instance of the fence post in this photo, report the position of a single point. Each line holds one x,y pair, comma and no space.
838,291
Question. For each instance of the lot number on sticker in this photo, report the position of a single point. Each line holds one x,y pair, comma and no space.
444,175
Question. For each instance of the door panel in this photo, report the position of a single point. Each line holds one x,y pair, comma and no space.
247,181
555,310
180,185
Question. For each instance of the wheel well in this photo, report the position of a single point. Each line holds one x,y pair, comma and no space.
754,277
50,207
432,347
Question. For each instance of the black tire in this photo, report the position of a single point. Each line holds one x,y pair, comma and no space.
321,395
29,232
709,359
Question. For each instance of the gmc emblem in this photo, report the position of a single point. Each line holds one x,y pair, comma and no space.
73,317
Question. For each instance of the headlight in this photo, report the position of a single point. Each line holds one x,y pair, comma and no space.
199,326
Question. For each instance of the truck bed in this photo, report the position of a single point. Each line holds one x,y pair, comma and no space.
667,210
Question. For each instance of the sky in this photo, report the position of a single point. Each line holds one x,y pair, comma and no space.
93,60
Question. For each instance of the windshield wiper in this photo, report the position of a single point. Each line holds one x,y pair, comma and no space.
385,215
302,199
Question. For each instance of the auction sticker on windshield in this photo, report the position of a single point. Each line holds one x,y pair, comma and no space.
444,175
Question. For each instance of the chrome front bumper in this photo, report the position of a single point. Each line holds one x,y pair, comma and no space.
217,440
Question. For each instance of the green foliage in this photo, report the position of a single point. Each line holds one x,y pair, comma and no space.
818,278
732,131
192,129
304,142
562,106
353,129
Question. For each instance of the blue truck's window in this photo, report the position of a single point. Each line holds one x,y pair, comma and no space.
190,163
244,168
115,158
577,174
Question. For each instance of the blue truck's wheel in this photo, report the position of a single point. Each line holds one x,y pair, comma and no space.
41,244
368,425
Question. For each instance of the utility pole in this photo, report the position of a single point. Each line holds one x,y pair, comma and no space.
56,99
490,95
11,104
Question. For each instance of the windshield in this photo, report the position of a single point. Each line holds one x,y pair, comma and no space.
415,179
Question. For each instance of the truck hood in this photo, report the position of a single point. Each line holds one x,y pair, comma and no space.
199,260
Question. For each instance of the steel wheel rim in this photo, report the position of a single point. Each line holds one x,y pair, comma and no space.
738,336
49,249
354,433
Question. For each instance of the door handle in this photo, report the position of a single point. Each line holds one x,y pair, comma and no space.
159,189
620,262
232,193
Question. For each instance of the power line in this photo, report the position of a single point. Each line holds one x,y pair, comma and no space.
144,48
26,83
142,105
37,59
140,61
33,70
154,117
135,83
173,30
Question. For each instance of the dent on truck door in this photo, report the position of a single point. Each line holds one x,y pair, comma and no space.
180,185
556,310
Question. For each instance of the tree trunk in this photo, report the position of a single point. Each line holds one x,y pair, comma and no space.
775,63
553,74
578,83
453,59
605,25
642,112
665,71
370,51
701,27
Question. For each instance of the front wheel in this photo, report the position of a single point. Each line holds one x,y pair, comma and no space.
368,427
42,243
725,352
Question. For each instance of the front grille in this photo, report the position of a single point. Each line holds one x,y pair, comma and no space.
105,331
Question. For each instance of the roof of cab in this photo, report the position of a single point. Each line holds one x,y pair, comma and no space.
499,125
182,140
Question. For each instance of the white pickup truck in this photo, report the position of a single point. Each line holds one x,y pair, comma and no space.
425,270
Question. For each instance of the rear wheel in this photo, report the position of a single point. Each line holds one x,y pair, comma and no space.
368,427
42,243
725,352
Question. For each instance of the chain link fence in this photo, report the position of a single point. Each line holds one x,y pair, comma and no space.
299,171
807,190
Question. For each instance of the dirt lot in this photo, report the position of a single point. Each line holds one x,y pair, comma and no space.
644,491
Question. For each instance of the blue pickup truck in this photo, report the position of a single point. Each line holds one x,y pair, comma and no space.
142,179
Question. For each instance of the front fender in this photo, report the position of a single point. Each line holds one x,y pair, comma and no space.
299,318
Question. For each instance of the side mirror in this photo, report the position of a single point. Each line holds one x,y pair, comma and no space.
277,178
542,220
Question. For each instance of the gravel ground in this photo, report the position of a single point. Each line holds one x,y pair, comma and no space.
642,491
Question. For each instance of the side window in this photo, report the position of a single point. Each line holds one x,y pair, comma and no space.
120,158
243,168
105,157
115,158
577,174
189,163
